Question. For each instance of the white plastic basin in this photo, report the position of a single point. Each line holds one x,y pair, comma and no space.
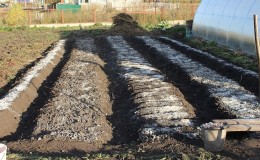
3,149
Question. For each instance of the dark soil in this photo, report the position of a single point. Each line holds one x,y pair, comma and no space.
110,102
247,80
206,108
120,96
28,46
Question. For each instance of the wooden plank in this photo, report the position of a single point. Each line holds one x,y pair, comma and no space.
238,121
243,128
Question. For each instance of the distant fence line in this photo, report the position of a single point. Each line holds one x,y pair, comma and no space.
143,14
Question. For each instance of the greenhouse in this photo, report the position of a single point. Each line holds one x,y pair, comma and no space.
228,22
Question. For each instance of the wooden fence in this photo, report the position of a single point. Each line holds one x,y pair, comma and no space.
143,14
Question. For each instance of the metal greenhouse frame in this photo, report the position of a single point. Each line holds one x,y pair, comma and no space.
228,22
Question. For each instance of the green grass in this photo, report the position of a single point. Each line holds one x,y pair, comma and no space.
38,157
234,57
96,156
131,153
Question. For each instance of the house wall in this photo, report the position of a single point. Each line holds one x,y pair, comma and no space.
125,3
98,1
117,3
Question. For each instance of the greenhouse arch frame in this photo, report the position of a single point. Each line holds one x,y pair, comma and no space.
228,22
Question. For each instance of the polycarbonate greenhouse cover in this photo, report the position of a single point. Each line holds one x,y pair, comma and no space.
228,22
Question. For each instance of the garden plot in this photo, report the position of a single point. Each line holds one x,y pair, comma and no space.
160,107
229,94
80,103
15,102
220,61
74,112
244,77
9,98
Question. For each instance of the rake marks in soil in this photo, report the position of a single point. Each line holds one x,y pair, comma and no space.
228,94
158,107
114,89
244,77
80,104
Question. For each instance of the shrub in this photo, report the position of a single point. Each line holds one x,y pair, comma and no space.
16,16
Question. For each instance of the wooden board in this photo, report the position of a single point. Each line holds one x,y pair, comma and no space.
241,125
243,128
238,121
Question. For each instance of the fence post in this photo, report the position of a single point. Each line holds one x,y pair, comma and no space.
94,16
125,10
144,14
29,16
162,14
257,48
155,4
62,16
155,9
192,11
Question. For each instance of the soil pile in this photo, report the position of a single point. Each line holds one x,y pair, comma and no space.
124,24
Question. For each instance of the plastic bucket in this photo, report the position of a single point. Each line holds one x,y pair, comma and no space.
214,138
3,149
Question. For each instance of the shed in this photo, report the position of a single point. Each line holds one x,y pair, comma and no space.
68,7
227,22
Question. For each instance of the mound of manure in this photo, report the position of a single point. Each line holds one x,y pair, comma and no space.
124,24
